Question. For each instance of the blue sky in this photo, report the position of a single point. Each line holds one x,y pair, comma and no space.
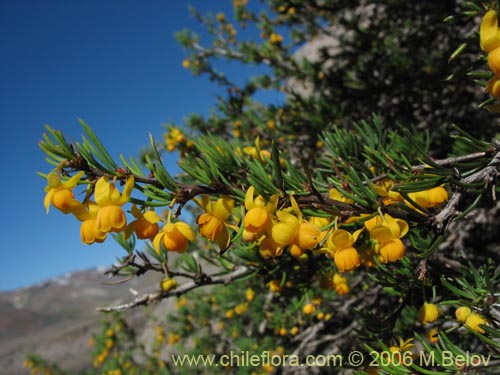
113,63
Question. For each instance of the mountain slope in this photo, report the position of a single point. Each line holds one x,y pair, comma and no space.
56,318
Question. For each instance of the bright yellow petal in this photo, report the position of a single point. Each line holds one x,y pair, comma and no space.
127,191
284,233
249,201
152,217
185,229
48,199
73,181
403,227
381,233
296,208
489,35
223,239
157,241
102,191
341,239
272,205
222,208
204,203
393,225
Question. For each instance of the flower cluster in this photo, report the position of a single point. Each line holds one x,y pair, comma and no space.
98,217
105,214
276,229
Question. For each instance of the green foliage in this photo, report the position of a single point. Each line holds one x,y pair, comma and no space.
380,144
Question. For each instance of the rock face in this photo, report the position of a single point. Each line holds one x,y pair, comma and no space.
56,318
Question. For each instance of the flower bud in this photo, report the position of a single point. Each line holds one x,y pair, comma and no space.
474,320
167,284
462,313
428,313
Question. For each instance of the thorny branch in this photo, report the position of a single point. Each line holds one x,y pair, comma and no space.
486,175
149,298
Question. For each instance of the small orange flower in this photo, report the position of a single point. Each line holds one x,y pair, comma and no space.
87,214
309,309
462,313
429,198
494,61
493,87
340,245
168,284
59,193
174,237
111,217
346,259
212,223
145,224
474,321
386,231
428,313
258,216
433,335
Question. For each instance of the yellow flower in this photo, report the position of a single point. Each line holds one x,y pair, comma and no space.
489,33
256,152
258,216
250,295
433,335
275,39
494,61
346,259
220,17
384,189
339,279
320,222
168,284
308,309
386,231
111,217
268,248
342,289
174,137
173,338
59,193
213,222
493,87
340,284
474,320
186,63
285,230
405,345
174,237
462,313
337,195
89,232
241,308
429,198
145,226
274,286
294,231
428,313
339,244
307,236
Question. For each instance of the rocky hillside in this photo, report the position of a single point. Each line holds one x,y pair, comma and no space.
57,317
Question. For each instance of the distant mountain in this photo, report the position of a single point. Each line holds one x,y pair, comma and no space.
55,318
